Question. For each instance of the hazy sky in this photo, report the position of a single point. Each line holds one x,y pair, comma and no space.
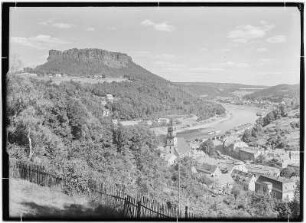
200,44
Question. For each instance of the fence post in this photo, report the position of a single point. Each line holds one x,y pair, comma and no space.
125,207
186,211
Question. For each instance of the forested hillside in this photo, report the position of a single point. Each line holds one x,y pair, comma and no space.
216,89
276,93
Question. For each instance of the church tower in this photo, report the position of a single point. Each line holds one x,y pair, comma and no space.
171,141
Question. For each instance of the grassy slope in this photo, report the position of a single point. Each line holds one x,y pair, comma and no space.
31,200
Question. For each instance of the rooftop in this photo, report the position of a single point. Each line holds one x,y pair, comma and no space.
279,179
249,150
207,168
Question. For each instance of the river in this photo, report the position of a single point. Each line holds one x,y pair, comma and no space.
238,115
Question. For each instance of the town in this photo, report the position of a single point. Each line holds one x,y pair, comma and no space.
237,167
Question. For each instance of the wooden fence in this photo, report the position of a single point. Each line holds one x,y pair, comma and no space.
140,207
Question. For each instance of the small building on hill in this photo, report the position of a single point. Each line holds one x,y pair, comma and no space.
278,187
246,180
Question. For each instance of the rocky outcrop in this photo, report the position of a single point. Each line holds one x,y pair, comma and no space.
91,56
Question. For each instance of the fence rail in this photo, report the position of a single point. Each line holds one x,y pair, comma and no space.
142,207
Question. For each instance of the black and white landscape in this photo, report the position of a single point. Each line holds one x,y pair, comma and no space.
146,112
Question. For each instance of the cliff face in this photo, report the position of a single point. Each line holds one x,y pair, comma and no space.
92,56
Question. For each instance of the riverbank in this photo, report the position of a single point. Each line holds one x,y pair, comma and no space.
195,125
235,115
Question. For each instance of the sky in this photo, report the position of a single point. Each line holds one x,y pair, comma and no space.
249,45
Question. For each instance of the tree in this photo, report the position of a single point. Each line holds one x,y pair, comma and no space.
236,190
247,136
262,205
207,147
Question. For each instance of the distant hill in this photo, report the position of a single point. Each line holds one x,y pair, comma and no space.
276,93
209,89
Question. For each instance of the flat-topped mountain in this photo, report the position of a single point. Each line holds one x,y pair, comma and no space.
88,62
110,59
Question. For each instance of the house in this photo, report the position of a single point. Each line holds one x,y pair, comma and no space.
263,170
58,75
248,153
106,113
240,167
110,98
238,145
294,156
209,170
169,158
278,187
163,121
246,180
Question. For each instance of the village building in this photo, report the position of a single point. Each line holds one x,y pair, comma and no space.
169,158
278,187
230,166
246,180
248,153
263,170
294,157
209,170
